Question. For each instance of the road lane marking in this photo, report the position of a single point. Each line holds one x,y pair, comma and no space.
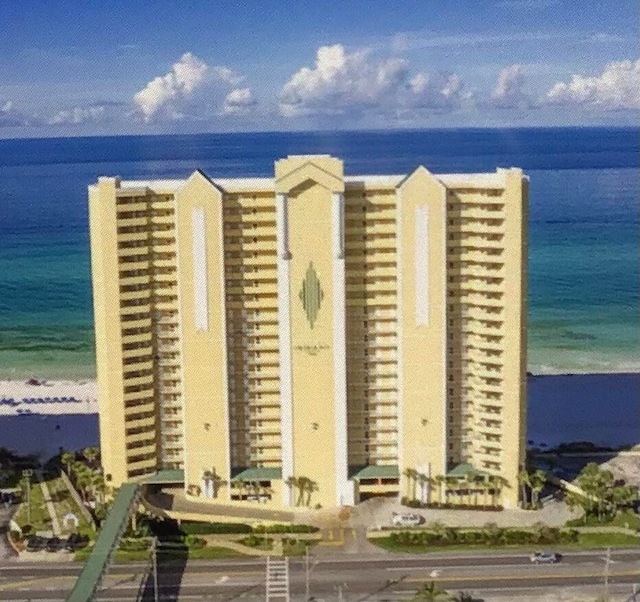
521,577
457,566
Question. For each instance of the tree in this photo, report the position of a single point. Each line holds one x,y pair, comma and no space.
411,475
302,488
431,592
537,481
524,481
91,454
291,483
441,481
99,487
68,458
494,533
311,487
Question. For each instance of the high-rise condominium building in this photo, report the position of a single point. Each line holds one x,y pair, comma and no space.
313,338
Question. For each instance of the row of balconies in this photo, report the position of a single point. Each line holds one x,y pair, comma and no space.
477,239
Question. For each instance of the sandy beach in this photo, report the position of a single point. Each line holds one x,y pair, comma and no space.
48,397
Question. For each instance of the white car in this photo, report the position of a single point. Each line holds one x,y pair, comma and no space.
406,520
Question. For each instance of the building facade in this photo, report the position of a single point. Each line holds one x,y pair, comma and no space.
313,338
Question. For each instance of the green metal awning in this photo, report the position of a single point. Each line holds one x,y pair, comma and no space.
258,474
164,477
462,470
389,471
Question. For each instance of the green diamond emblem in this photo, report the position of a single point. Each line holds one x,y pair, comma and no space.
311,294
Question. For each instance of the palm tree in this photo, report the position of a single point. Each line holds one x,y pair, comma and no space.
291,483
441,481
255,488
524,480
537,481
302,487
91,454
217,482
68,458
411,482
477,487
83,483
310,488
99,487
431,592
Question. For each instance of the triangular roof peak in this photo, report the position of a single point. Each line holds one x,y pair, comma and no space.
420,171
199,176
296,170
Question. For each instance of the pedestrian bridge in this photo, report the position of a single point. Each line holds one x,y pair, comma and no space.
123,507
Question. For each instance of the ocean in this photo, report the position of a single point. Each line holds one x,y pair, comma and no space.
604,411
583,256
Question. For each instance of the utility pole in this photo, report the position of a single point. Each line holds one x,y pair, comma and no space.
27,474
154,561
307,593
607,564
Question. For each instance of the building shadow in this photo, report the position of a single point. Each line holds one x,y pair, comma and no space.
171,556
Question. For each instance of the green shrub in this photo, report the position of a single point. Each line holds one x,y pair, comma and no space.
133,545
214,528
191,541
255,541
568,536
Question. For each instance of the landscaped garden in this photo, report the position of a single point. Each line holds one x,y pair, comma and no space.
439,537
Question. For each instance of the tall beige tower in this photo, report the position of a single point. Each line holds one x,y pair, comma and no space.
313,338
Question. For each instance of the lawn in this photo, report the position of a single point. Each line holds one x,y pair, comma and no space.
626,519
586,541
124,556
40,519
64,503
298,548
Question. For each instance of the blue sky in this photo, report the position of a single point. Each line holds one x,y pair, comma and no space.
78,68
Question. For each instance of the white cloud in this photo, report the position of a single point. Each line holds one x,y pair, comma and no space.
439,90
508,92
618,87
79,115
12,117
238,102
168,95
347,83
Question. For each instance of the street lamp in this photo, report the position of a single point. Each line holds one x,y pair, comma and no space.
27,473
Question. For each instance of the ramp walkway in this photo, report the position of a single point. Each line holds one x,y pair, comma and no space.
124,505
111,530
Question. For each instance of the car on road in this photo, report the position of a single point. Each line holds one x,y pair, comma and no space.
35,543
545,557
401,519
54,544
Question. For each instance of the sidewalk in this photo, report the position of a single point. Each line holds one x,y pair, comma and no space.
55,524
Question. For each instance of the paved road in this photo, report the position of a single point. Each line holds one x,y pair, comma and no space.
365,580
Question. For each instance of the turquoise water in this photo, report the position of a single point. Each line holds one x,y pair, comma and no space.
583,260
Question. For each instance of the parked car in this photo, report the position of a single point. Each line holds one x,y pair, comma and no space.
75,541
54,544
406,520
35,543
545,557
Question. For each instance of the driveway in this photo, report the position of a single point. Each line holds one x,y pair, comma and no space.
554,514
